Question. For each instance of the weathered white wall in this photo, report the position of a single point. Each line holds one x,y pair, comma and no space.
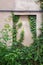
26,5
6,4
38,23
25,25
4,19
21,5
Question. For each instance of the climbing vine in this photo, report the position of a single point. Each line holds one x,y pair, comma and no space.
32,21
15,19
36,47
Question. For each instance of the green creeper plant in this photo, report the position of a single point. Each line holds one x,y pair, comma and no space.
3,42
33,47
32,19
15,19
17,55
37,46
4,34
41,45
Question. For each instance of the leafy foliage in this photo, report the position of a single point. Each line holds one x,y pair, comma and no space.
17,54
33,25
41,4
